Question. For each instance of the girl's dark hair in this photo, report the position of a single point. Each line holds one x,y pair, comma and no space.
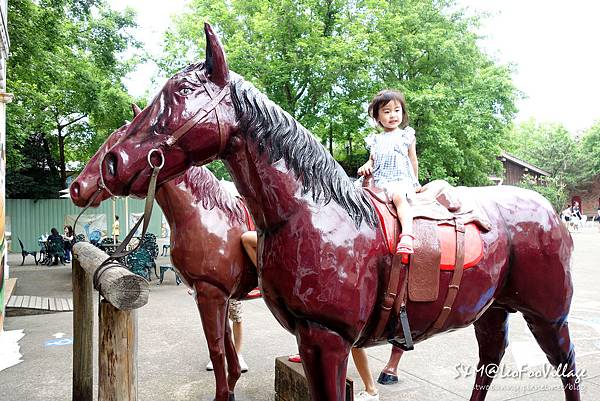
383,98
69,231
54,231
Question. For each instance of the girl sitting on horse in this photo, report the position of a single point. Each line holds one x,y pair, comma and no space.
393,159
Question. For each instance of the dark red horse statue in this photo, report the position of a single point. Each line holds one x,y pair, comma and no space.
323,257
206,223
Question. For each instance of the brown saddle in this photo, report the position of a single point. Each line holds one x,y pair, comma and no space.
447,229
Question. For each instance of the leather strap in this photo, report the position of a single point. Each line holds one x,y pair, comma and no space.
119,252
456,276
92,199
200,116
390,298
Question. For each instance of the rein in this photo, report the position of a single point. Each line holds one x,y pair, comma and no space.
120,251
92,199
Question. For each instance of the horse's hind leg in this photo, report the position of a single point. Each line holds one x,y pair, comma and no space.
554,339
212,305
325,357
491,330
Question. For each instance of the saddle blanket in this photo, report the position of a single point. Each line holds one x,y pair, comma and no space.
446,237
447,240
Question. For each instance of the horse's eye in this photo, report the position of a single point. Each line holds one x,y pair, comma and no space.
185,91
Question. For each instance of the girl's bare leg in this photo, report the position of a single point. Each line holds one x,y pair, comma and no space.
405,217
249,241
359,356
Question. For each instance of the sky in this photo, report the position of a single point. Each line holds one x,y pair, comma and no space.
553,47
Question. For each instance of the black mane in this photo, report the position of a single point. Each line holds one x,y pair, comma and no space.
278,133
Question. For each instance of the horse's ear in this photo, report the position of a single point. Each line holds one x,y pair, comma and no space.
216,64
136,109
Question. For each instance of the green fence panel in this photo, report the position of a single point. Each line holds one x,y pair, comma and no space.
27,219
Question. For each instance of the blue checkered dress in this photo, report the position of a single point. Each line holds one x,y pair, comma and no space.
390,157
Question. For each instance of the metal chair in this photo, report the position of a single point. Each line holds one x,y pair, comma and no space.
25,253
140,262
55,251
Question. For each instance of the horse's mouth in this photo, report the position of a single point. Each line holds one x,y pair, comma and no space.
85,196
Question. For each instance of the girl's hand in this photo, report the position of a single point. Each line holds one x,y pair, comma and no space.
418,189
366,169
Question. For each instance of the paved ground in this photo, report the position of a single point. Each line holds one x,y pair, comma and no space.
173,353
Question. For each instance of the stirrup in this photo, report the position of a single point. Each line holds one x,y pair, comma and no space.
405,343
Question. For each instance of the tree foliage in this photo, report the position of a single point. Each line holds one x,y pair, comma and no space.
572,163
65,72
552,148
322,61
590,147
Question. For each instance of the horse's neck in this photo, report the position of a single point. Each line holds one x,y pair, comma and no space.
173,201
179,205
270,191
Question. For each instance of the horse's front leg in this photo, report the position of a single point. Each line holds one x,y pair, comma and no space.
233,364
212,305
325,357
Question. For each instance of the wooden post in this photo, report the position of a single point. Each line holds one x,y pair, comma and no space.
123,291
126,214
83,332
114,210
291,383
117,354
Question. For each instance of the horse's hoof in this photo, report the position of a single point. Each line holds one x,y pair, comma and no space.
230,398
385,378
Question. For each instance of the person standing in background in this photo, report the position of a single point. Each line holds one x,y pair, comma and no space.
116,229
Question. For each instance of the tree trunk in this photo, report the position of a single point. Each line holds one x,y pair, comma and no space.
49,158
61,158
330,138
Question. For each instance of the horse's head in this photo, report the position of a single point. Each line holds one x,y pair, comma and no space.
89,181
188,123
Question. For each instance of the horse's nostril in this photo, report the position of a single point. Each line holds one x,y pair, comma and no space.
75,190
111,164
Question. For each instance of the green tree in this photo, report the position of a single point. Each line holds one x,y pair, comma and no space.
322,61
571,163
551,188
552,148
460,102
590,147
305,55
65,73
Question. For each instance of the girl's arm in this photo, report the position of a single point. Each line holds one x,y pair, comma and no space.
367,168
412,155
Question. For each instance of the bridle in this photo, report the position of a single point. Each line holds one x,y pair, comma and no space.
201,115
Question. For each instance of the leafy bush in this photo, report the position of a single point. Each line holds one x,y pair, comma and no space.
551,188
